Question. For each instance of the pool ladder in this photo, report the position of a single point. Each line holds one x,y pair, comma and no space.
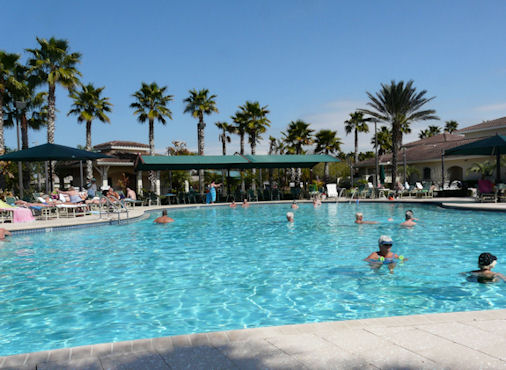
114,207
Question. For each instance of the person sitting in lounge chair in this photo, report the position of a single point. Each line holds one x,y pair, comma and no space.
74,195
359,219
130,194
486,262
163,219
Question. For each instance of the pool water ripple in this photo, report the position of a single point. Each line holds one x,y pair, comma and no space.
221,269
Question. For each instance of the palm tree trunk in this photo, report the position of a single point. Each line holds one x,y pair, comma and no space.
51,102
152,150
356,145
253,170
395,147
224,148
2,139
200,136
89,168
243,185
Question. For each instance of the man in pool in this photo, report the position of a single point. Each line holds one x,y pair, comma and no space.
409,222
233,204
294,205
245,203
384,255
163,219
359,219
486,263
289,216
4,233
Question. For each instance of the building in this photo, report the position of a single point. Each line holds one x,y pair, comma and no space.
424,158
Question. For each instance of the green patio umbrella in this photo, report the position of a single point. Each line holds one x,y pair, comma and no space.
51,152
493,145
382,174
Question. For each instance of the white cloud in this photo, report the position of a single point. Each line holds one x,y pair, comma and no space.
501,107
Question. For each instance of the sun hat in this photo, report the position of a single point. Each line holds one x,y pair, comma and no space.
486,259
385,239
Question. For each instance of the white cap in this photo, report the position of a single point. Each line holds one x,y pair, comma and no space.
384,239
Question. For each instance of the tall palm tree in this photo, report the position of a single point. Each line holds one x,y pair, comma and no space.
356,123
53,64
8,64
429,132
240,121
198,104
384,140
256,124
226,129
89,105
399,104
327,142
297,135
150,105
451,126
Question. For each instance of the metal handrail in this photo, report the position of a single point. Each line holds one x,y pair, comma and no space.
114,206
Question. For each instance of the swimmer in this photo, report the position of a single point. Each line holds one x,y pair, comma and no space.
385,254
409,219
4,233
486,263
163,219
233,204
359,219
316,203
289,216
245,203
294,205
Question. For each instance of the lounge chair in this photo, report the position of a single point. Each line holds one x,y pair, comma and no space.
486,191
332,191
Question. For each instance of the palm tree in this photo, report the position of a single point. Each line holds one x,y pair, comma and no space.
256,124
451,126
297,135
485,168
240,121
429,132
327,142
150,105
53,64
399,104
357,123
89,105
8,64
200,103
226,129
384,140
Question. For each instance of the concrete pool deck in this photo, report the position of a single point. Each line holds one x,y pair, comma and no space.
461,340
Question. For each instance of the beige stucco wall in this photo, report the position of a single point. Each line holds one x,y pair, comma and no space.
500,131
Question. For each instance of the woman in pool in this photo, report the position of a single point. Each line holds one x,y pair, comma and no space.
359,219
384,255
486,263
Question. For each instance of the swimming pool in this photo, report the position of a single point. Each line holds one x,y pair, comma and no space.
220,268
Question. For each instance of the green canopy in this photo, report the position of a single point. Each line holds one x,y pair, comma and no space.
51,152
493,145
196,162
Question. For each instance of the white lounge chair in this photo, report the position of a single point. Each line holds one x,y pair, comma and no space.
332,191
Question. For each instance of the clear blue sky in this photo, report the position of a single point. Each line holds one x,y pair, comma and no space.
311,60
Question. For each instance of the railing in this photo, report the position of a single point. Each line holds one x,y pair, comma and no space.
116,206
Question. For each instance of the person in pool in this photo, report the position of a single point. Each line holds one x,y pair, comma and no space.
294,205
233,204
4,233
409,222
289,216
245,203
384,255
163,219
359,219
486,262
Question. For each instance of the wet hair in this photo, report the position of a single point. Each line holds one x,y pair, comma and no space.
409,214
164,212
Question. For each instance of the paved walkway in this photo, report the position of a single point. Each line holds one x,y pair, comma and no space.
465,340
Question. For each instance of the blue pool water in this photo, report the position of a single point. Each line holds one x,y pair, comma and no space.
220,268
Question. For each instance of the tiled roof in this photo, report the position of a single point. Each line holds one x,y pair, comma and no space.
426,149
486,125
110,144
441,138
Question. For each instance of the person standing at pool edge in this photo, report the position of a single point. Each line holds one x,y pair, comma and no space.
163,219
211,198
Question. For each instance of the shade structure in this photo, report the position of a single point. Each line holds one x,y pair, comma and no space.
493,145
197,162
51,152
382,174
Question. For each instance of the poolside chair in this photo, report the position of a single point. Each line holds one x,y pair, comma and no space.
332,191
486,191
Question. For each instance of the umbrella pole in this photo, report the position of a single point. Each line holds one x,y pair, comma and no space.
50,176
498,167
81,173
47,177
